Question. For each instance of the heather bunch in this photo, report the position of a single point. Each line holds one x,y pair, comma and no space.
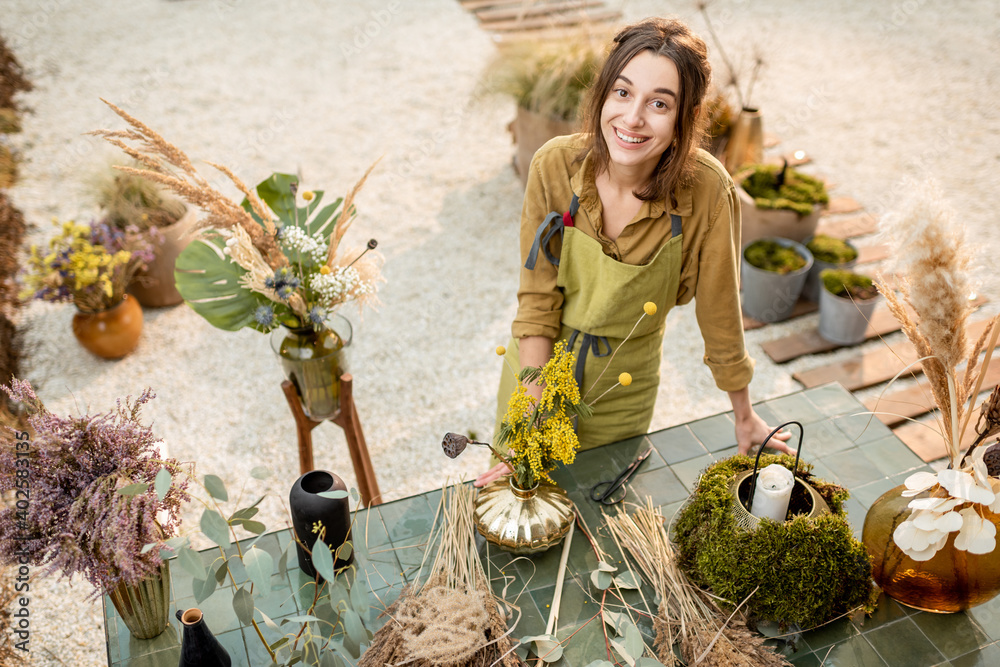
96,502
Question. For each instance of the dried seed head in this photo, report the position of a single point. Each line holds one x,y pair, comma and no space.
989,415
454,444
992,459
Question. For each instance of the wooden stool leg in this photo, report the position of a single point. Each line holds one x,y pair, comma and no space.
303,427
348,420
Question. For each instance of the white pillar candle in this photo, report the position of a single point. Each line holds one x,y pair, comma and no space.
772,493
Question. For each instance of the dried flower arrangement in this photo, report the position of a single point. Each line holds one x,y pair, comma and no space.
263,262
687,616
88,265
735,77
130,200
98,496
453,618
933,306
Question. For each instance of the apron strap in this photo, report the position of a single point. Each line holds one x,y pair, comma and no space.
590,344
554,223
675,225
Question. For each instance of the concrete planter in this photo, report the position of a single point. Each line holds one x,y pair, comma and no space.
768,296
813,285
842,320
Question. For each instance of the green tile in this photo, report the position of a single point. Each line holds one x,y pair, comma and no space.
528,621
662,486
861,428
715,433
802,659
410,517
852,467
677,444
832,633
167,658
794,407
902,644
887,610
576,604
166,641
821,439
765,412
410,554
866,494
852,652
987,615
832,399
856,513
368,531
234,644
584,643
688,472
988,656
952,634
891,456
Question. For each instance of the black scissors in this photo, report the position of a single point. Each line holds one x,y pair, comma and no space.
614,491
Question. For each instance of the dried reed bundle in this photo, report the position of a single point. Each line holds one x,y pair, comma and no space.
932,270
453,618
687,616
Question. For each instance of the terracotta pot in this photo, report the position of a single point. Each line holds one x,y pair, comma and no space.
531,130
951,581
154,287
523,521
112,333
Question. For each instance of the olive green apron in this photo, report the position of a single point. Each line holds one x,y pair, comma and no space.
603,299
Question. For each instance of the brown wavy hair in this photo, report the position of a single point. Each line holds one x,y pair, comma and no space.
673,39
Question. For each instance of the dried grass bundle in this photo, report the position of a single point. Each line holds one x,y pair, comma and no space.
687,616
453,618
932,265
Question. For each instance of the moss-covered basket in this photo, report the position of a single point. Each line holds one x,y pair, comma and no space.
809,571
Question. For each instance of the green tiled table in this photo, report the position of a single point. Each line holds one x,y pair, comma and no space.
857,452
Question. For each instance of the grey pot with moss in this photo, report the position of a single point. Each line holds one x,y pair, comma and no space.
828,253
773,272
778,201
846,305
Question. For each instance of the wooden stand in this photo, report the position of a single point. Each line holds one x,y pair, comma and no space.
347,419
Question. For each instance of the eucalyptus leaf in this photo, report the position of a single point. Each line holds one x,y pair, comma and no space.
267,621
215,527
627,580
259,565
359,595
278,644
209,282
301,618
329,659
132,489
546,647
339,594
244,514
601,579
601,663
322,560
606,567
221,571
146,548
333,495
355,496
203,588
283,560
633,642
177,542
161,484
345,550
189,559
648,662
255,527
354,627
260,472
619,646
243,605
216,487
616,620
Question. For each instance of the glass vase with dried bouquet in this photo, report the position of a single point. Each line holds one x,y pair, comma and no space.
275,259
933,539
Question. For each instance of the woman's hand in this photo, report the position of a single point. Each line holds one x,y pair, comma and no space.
751,431
494,473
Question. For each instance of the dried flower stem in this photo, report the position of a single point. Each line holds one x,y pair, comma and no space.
612,357
990,346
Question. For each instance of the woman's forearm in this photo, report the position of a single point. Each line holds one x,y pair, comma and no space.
535,351
742,410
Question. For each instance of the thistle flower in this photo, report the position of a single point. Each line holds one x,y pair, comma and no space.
264,316
317,316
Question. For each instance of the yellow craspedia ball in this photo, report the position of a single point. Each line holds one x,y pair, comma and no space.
624,379
649,308
325,270
307,195
501,350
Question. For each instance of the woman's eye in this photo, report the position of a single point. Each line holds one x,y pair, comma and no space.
660,105
621,92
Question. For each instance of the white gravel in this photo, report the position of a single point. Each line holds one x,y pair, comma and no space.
874,92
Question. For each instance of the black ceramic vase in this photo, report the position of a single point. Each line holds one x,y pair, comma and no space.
308,508
199,647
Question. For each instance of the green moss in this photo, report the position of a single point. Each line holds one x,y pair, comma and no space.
808,570
831,250
841,282
772,256
798,193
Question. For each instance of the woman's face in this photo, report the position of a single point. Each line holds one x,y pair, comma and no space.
640,113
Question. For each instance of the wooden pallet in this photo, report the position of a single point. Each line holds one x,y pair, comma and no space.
538,16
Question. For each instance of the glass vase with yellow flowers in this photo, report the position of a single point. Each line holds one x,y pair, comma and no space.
91,266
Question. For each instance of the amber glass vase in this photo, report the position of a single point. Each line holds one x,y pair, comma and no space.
314,361
951,581
523,521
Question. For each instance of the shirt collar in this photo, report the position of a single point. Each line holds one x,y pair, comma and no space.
585,187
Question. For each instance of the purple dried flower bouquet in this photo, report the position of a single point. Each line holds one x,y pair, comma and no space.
98,495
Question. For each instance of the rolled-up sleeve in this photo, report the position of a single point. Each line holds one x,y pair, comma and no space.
717,302
539,299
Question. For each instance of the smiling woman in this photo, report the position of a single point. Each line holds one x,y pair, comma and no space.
632,211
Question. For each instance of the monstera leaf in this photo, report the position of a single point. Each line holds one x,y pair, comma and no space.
276,192
209,282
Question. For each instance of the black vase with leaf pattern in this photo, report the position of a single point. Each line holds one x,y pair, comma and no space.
310,511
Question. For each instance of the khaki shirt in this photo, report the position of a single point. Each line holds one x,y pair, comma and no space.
710,250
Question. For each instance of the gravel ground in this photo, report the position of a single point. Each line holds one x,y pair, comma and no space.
873,92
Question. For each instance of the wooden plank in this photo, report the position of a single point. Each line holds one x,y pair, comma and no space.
476,5
521,12
839,205
925,441
847,227
872,253
896,407
803,307
571,18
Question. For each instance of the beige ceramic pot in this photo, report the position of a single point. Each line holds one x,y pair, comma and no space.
154,287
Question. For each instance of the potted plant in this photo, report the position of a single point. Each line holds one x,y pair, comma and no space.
91,266
846,305
102,504
773,271
548,81
776,200
129,200
828,253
